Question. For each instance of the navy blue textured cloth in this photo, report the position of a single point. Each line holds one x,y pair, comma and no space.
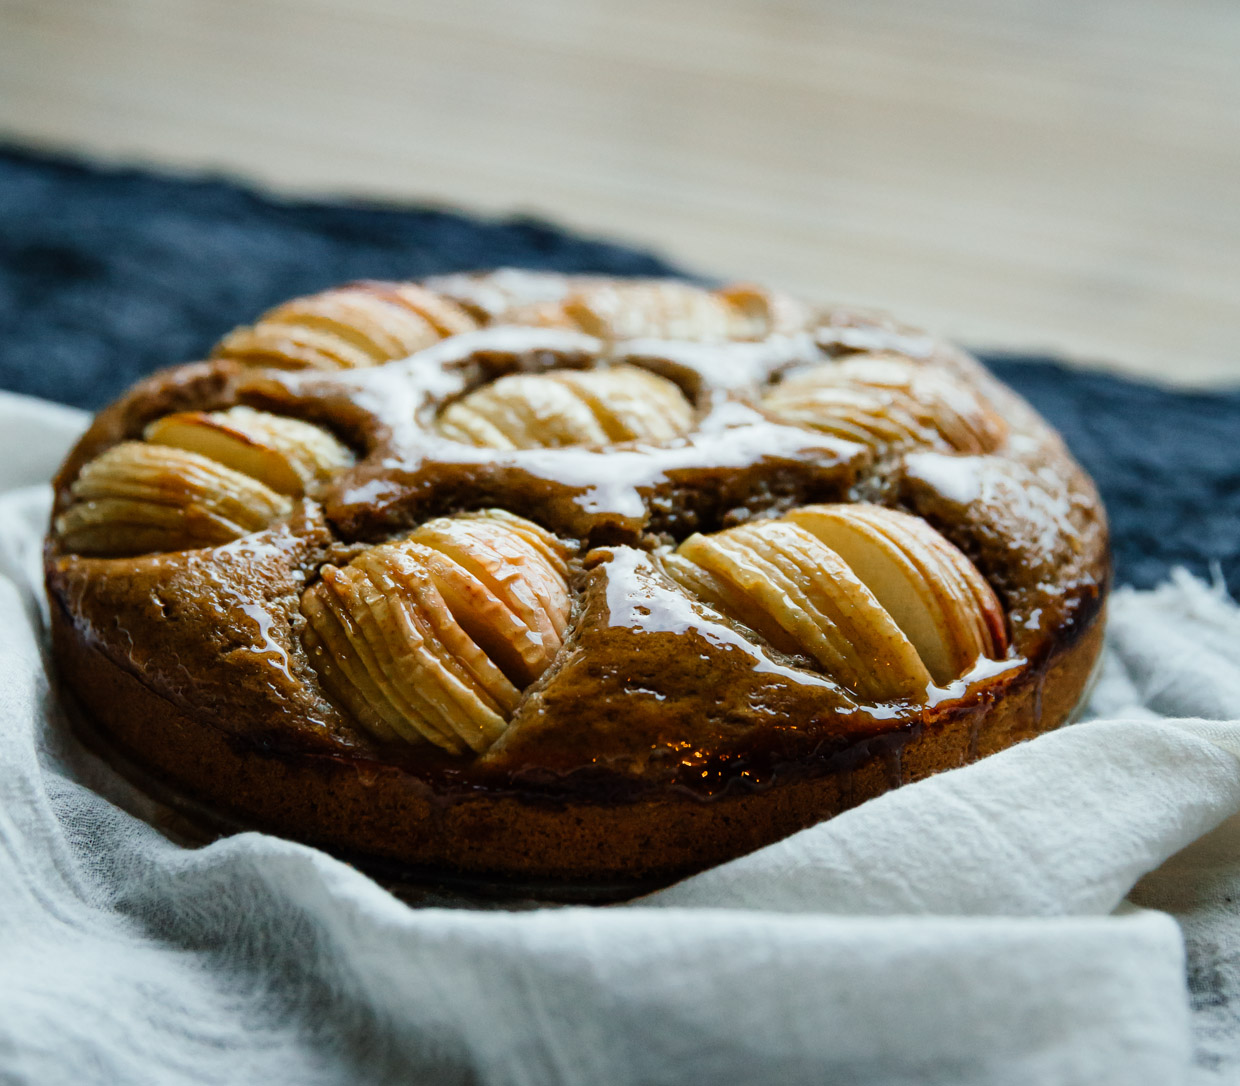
106,275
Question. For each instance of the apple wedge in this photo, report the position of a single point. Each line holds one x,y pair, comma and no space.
434,637
383,656
511,568
519,650
553,552
888,401
855,414
137,497
569,407
447,317
420,668
380,328
784,583
290,346
758,312
663,310
346,664
632,403
347,328
523,411
288,455
931,590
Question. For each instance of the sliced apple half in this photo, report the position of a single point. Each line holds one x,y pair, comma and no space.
931,590
408,570
380,328
136,497
343,670
434,637
447,317
664,310
351,327
288,455
631,403
760,312
368,646
569,407
291,346
424,671
511,568
787,585
889,400
523,411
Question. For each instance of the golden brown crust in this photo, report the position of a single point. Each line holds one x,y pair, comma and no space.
663,737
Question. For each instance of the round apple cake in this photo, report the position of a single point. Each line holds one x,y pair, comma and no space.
568,580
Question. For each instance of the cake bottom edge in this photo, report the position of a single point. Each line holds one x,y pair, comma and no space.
398,829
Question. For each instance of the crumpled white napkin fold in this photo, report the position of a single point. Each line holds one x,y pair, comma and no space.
972,928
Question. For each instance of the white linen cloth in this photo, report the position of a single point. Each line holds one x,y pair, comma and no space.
979,927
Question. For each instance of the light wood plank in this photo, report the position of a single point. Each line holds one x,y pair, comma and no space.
1052,175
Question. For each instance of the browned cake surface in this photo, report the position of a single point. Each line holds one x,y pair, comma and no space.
664,735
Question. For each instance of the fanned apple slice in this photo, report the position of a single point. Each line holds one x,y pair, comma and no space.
447,317
291,346
509,567
864,636
631,403
888,400
520,651
855,414
288,455
405,570
112,527
366,324
347,666
375,640
139,472
552,550
137,497
523,411
760,595
959,581
342,679
540,315
434,637
933,591
401,677
422,669
787,585
975,618
569,407
664,310
372,324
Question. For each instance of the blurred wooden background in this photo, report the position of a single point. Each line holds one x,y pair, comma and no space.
1045,174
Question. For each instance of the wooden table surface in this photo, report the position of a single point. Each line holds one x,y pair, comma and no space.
1050,175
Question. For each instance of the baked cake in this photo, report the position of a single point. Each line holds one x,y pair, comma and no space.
568,580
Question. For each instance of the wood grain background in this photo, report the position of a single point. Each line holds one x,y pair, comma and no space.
1059,175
